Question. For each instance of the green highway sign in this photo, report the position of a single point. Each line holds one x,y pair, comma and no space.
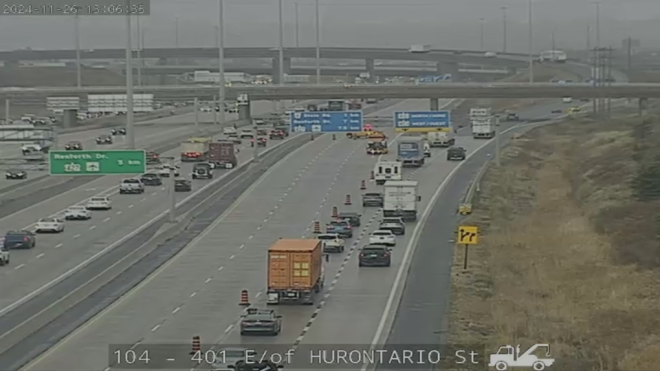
97,162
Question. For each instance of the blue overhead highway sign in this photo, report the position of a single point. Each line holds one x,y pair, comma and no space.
326,122
434,78
422,121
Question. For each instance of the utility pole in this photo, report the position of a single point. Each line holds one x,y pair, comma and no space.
221,61
139,50
318,41
297,27
76,27
629,55
130,129
530,16
481,34
176,37
504,29
552,39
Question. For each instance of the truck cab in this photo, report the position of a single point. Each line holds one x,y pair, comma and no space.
387,170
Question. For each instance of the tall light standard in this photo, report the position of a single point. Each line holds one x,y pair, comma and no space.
139,50
481,34
76,30
530,16
130,130
503,29
318,41
176,37
221,61
297,26
281,53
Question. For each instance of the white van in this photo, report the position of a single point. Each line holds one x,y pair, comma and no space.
387,170
441,139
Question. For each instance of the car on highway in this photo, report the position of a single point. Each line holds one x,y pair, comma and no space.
260,321
332,242
261,142
151,179
16,174
276,134
227,358
153,158
373,199
202,170
182,185
73,146
164,170
104,139
341,227
284,128
567,100
22,239
352,218
229,131
262,132
427,150
33,148
574,109
456,153
512,116
396,225
131,186
99,203
382,237
205,109
51,225
120,131
375,256
4,254
259,122
246,134
557,110
490,55
77,213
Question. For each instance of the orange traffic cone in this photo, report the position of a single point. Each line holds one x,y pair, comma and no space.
363,185
348,200
244,299
317,227
196,345
334,212
373,176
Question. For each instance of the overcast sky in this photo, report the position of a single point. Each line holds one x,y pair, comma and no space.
377,23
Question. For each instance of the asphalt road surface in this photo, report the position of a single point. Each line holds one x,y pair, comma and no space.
196,293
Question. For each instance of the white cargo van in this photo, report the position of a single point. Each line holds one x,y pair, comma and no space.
441,139
387,170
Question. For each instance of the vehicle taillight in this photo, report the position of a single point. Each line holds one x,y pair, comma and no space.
349,227
361,255
387,254
26,239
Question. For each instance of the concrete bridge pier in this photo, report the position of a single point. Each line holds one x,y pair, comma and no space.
435,104
643,106
276,68
370,69
162,79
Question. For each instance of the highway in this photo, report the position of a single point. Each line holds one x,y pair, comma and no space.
56,254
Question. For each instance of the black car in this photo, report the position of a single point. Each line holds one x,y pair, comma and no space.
151,179
375,256
73,146
352,218
20,240
120,131
104,139
456,153
182,185
259,321
202,171
16,174
557,110
373,199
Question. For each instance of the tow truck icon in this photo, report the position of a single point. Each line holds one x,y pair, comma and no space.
508,356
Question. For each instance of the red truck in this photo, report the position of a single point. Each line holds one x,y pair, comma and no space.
222,154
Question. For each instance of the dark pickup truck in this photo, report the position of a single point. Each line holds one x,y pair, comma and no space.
456,153
373,200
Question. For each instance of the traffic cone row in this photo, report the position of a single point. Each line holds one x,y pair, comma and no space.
348,200
335,213
317,227
363,185
372,176
245,302
196,345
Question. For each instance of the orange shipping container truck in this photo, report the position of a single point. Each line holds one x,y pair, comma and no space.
295,271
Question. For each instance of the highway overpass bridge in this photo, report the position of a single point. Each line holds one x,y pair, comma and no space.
447,61
320,92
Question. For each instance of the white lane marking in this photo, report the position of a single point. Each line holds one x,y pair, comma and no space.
40,255
131,206
208,280
193,294
177,309
76,236
92,227
155,328
257,294
228,329
241,247
19,266
106,220
119,212
221,268
232,257
58,245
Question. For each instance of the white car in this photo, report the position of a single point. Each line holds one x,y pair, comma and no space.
33,147
490,55
4,254
332,242
99,203
77,213
229,131
246,133
382,237
164,170
228,357
53,225
567,100
206,109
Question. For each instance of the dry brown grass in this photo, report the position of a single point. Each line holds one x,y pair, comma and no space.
643,77
57,76
541,74
569,248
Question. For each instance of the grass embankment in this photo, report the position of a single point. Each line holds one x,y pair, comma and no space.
569,252
58,76
541,74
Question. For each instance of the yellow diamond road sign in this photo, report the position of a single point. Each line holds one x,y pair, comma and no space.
468,235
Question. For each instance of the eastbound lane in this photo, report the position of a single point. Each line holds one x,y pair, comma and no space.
196,293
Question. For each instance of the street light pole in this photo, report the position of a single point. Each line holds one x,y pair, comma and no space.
281,54
530,17
297,27
481,34
176,37
318,41
221,61
77,40
130,130
504,29
139,50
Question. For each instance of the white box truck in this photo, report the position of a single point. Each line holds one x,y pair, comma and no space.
387,170
400,200
483,128
440,139
420,48
480,112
